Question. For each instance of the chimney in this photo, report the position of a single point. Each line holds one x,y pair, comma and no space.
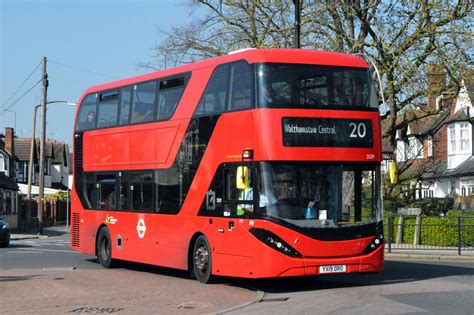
9,141
436,84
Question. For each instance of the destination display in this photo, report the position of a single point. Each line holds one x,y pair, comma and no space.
327,132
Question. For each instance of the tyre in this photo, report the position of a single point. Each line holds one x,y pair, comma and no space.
6,240
202,260
104,248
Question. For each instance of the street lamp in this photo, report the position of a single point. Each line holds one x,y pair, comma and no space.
41,171
14,113
32,143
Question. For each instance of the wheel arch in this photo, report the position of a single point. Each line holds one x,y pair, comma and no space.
190,248
102,226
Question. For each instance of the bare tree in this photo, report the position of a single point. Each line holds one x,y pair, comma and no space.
401,36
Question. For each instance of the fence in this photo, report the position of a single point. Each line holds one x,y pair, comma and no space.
432,233
55,212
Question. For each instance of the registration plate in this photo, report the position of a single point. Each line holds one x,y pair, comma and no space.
332,269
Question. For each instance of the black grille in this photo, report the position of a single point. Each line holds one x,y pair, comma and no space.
77,150
76,220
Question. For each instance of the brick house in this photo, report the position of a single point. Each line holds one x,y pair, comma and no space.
437,148
8,185
56,163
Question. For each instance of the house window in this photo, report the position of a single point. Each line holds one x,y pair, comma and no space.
453,187
468,187
2,164
430,146
47,167
427,193
22,172
464,137
451,139
415,149
401,151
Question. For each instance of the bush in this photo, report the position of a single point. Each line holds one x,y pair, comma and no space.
434,206
439,231
435,231
390,204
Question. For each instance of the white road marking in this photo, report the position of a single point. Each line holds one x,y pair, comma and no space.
50,250
22,252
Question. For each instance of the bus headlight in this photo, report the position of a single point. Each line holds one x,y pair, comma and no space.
376,242
275,242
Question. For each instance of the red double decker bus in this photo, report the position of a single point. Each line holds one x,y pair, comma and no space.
260,163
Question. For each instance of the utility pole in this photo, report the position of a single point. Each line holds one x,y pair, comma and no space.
297,23
42,146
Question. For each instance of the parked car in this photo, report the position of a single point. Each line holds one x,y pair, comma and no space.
4,233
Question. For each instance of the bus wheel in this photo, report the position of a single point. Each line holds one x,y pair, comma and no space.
202,260
104,248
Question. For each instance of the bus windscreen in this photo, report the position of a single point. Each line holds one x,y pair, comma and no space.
319,195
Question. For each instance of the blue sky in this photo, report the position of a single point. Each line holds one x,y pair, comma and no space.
106,37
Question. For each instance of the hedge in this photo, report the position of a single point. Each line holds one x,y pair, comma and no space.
436,231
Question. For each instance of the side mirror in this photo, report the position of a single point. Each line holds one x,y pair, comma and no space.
242,180
393,173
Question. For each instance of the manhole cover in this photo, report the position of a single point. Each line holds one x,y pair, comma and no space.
96,310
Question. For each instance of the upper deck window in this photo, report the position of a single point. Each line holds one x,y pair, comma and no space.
125,100
144,95
312,86
169,96
230,88
86,118
214,99
108,107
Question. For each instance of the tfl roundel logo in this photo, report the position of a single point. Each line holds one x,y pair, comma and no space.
141,228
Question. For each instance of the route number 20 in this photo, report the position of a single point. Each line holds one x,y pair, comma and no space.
357,130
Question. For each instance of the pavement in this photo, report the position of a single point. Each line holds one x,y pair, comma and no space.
420,253
61,291
47,232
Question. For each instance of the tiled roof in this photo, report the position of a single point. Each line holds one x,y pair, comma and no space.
423,123
460,115
55,150
440,170
48,148
387,147
22,149
465,169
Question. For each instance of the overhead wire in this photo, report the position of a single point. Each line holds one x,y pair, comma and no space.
21,85
82,69
4,109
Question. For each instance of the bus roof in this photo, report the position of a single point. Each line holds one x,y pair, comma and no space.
276,55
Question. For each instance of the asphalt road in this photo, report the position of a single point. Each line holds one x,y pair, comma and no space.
414,287
48,253
404,286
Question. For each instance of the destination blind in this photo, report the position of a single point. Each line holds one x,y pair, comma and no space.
327,132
